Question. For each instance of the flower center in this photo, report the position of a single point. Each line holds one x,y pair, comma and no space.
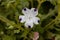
29,17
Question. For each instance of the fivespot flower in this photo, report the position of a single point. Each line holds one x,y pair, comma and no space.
29,17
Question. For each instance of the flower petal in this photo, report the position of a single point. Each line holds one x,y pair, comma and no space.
36,20
22,18
34,11
29,24
25,11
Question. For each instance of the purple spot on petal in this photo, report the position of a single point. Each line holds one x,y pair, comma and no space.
38,21
20,19
35,9
29,26
24,9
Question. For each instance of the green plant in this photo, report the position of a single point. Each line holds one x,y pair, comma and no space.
12,29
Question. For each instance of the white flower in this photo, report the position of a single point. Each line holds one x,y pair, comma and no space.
29,17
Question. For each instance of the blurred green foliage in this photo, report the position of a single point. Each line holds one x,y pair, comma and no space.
12,29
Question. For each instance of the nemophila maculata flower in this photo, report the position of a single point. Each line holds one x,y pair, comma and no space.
29,17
